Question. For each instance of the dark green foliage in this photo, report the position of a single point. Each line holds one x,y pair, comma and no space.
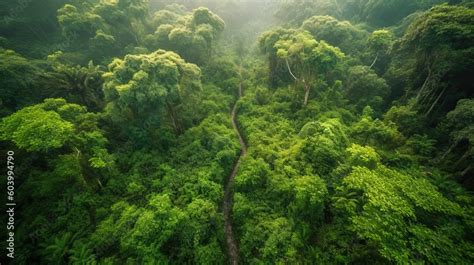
141,87
356,118
441,43
191,35
102,28
224,74
364,88
278,75
81,85
20,81
340,34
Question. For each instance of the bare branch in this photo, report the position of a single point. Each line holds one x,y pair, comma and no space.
373,63
289,69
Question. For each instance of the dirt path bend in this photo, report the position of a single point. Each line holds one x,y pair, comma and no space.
232,249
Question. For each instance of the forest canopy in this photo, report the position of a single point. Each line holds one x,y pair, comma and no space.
237,132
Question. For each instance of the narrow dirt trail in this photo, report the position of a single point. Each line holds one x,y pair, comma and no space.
233,251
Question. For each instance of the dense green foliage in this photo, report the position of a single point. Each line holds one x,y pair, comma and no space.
358,117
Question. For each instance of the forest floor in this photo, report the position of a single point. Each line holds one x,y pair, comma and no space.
227,207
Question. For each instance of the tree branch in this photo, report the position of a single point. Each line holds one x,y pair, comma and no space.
289,69
375,60
435,102
423,86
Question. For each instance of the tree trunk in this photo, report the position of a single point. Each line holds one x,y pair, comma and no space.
423,87
289,69
366,139
435,102
375,60
448,151
465,155
100,183
464,172
174,121
306,96
464,176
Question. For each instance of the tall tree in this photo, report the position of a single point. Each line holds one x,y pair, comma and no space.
139,88
342,34
193,36
278,75
379,45
441,42
308,60
20,81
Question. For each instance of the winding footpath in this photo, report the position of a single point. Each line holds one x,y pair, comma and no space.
233,251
